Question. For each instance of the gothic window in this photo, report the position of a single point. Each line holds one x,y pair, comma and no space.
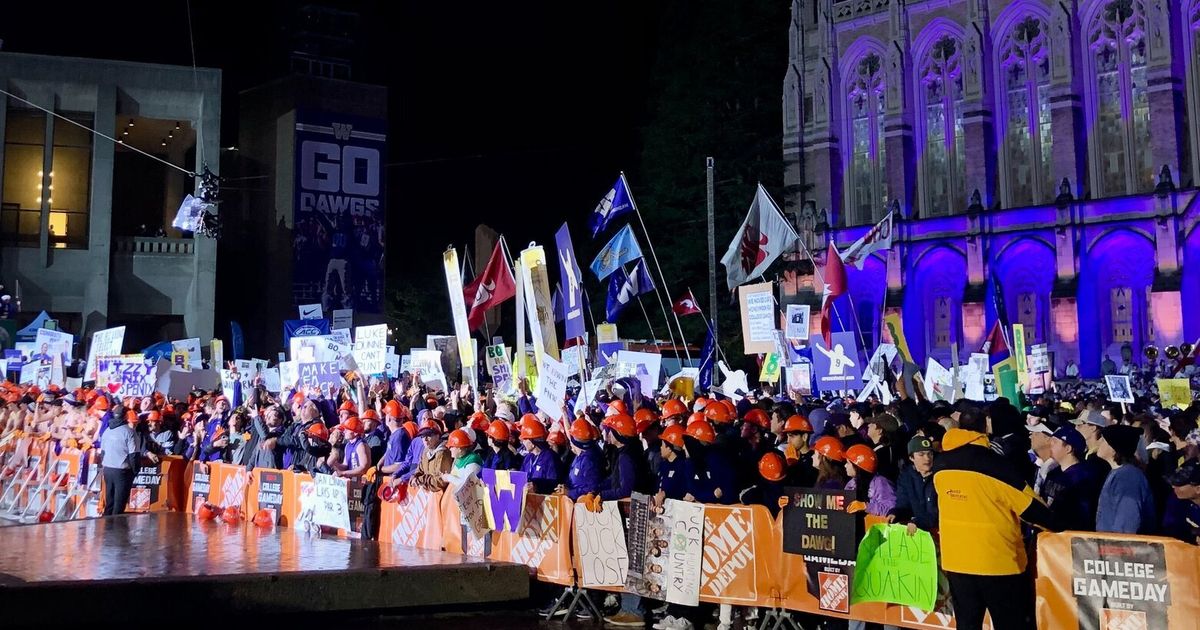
1117,49
868,184
1121,301
1025,84
1027,316
943,322
941,93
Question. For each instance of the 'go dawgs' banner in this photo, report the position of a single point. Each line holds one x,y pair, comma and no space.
1096,581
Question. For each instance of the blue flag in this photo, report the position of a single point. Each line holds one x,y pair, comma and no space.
303,328
617,203
708,359
556,304
621,249
622,289
237,339
571,298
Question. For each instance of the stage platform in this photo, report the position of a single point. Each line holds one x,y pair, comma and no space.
169,565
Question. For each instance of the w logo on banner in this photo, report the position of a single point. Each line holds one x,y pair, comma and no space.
505,498
341,131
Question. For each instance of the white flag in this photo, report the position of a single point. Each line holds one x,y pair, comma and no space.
877,238
764,235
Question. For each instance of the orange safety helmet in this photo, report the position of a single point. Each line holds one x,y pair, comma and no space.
352,425
131,416
410,428
619,405
498,431
154,416
264,519
532,428
673,435
232,515
583,431
348,406
557,437
621,424
702,431
696,417
758,418
101,403
479,421
772,467
370,415
797,424
863,457
718,413
730,406
459,439
673,408
830,447
318,430
207,511
644,415
392,408
700,403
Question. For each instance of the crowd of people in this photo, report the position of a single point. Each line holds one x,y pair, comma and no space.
983,478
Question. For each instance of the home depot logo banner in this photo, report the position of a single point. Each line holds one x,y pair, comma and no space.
733,536
1101,582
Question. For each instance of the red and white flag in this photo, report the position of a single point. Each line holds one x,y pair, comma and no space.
686,305
764,235
834,275
877,238
490,289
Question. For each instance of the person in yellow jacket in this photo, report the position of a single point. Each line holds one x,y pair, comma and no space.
982,501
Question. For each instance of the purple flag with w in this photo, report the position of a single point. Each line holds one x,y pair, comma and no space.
572,294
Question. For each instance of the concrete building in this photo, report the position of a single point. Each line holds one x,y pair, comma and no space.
82,217
1041,155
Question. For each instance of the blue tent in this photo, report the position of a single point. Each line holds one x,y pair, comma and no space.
29,333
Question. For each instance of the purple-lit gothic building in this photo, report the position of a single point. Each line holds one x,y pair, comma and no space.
919,104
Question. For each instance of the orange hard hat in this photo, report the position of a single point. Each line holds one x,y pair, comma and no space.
131,415
772,467
459,439
700,403
370,415
644,415
557,437
45,516
758,418
532,428
697,416
352,425
298,398
479,421
410,428
673,408
619,405
207,511
498,431
797,424
673,435
730,406
621,424
348,406
718,413
702,431
318,430
264,519
232,515
831,448
582,430
392,408
101,403
862,456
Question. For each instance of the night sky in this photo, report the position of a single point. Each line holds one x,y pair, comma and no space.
513,114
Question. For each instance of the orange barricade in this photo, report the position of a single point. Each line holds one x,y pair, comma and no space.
414,522
1090,580
156,487
227,485
739,542
542,540
454,532
275,490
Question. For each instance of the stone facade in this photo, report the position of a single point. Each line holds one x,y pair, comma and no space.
1076,122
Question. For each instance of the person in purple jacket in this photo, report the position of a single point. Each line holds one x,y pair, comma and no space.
873,493
539,464
212,448
631,471
587,471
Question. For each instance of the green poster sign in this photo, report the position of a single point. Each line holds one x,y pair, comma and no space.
896,568
1006,383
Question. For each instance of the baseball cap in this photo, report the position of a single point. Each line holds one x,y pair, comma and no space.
918,444
1092,417
1073,438
1122,438
1186,475
1045,426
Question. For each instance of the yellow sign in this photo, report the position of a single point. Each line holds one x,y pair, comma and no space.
770,369
1018,352
895,330
606,333
1175,392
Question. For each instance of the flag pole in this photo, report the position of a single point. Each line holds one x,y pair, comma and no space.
821,279
661,277
711,331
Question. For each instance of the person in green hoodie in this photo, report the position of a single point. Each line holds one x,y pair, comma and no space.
467,462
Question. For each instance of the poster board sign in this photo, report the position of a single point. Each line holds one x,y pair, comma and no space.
839,367
505,491
201,486
370,348
574,358
332,502
311,311
1039,358
648,367
799,379
552,386
600,544
757,303
798,322
607,333
428,363
1119,389
770,369
893,567
191,347
499,367
342,318
1174,392
104,342
126,375
1018,351
895,334
447,345
319,375
471,498
939,382
817,527
289,373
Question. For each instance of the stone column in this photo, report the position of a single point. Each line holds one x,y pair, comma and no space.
1068,149
95,292
1164,87
979,138
201,303
1166,299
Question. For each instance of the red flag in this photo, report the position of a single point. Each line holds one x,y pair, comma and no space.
686,305
835,286
490,289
